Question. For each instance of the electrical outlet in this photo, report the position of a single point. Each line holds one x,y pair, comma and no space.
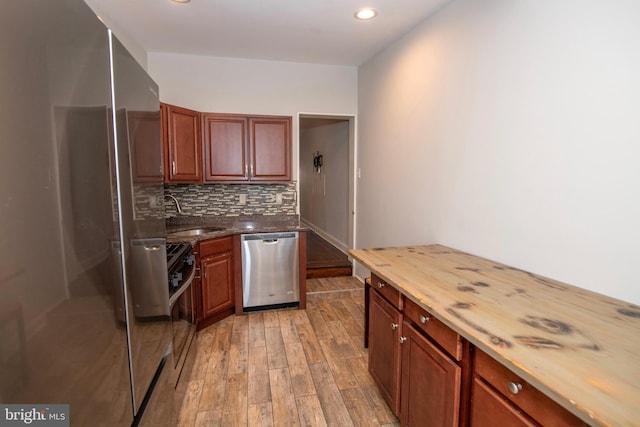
242,199
279,199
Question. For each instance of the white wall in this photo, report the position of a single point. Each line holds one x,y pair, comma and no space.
134,48
229,85
510,130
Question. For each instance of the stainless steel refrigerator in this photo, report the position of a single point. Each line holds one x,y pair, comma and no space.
81,218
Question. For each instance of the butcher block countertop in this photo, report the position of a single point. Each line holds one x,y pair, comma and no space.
580,348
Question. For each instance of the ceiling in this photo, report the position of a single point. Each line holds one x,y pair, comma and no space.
314,31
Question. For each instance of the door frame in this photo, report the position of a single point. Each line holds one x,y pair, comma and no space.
353,169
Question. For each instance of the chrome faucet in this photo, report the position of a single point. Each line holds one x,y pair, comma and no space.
175,200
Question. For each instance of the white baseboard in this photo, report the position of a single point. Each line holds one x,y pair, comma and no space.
320,232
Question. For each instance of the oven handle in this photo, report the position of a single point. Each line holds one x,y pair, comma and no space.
182,289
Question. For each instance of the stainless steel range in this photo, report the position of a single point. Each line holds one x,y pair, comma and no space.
181,271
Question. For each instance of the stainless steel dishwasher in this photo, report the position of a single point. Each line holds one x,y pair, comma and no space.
270,270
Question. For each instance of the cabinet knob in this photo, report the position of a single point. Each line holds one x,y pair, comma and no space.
514,387
423,319
380,285
402,340
394,326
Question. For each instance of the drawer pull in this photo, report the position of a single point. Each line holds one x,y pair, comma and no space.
394,326
423,319
514,388
402,340
380,285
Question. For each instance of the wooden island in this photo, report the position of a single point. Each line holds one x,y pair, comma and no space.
578,348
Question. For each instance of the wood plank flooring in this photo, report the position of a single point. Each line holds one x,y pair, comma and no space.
324,259
285,368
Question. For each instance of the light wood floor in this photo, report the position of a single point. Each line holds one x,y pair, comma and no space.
285,368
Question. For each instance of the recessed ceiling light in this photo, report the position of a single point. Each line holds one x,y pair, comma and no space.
181,1
366,13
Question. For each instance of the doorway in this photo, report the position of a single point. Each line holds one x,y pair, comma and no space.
326,177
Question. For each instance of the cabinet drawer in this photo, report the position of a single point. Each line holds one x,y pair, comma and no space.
214,246
390,293
490,408
538,406
449,340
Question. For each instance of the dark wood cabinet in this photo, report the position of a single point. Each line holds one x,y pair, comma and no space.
247,149
182,144
500,397
385,327
270,148
217,280
225,148
431,383
419,364
489,408
146,157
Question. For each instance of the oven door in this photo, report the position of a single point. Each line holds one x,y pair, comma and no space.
183,322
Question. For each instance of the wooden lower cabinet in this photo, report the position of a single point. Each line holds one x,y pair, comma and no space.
431,383
385,323
217,281
500,397
490,408
421,382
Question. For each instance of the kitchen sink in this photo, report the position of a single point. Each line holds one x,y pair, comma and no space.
194,232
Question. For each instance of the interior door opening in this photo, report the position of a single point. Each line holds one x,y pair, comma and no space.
326,177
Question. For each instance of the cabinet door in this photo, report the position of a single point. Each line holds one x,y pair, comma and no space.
217,283
225,143
431,381
490,409
270,148
183,145
146,153
384,348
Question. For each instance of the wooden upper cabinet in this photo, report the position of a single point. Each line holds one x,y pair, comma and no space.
247,149
225,147
183,144
146,154
270,148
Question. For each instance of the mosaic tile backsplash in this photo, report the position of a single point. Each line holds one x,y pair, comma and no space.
231,199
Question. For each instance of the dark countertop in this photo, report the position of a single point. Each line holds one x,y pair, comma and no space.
230,225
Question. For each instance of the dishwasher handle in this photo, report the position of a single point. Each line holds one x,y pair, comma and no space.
269,238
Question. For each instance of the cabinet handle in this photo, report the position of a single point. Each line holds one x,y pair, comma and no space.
423,319
402,340
380,285
173,167
394,326
514,388
251,170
